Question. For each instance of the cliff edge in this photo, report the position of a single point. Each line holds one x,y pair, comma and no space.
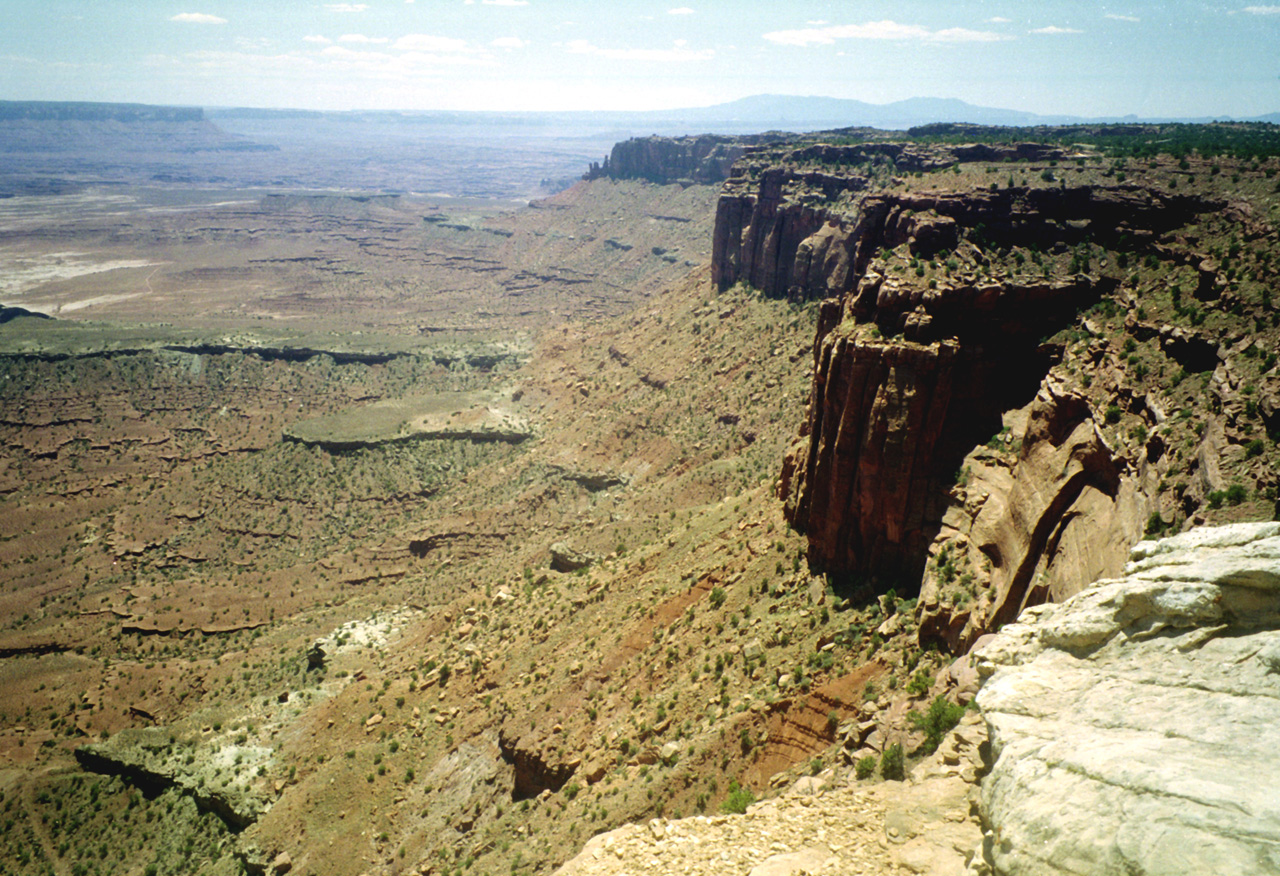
1134,726
1029,355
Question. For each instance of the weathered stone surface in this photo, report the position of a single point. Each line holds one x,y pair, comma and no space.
538,765
1134,726
567,559
911,374
1062,515
822,826
147,759
704,159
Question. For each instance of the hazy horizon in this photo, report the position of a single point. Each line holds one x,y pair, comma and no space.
1180,59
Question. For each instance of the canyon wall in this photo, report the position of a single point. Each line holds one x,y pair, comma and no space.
943,301
703,160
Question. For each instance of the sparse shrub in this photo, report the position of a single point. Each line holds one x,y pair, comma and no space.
937,721
1155,524
738,800
865,768
920,683
892,763
717,597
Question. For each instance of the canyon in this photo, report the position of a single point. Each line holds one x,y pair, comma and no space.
400,534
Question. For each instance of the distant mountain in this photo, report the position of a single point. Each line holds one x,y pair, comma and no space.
801,114
749,115
816,113
81,111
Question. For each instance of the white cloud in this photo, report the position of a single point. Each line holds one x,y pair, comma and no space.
1054,29
198,18
879,30
505,2
999,19
361,38
508,43
346,7
316,38
1262,10
1114,17
677,53
680,10
422,42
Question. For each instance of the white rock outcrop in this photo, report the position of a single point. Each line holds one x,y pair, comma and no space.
1135,728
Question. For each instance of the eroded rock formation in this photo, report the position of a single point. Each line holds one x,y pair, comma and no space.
146,758
1149,702
704,159
925,341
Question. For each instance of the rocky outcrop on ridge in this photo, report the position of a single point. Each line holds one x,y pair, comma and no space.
702,160
1134,726
149,759
939,299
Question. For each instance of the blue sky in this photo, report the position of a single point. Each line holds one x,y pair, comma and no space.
1176,58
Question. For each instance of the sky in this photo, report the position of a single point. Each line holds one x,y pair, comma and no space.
1176,58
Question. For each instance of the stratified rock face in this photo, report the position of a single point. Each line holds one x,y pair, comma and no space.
1134,727
911,373
888,423
800,225
1063,512
705,160
537,766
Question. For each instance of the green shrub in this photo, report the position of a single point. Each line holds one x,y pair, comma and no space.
717,597
937,721
1236,494
738,800
891,763
1155,524
920,683
865,767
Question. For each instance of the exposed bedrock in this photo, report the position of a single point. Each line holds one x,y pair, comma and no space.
1038,528
807,232
704,159
891,419
537,765
910,375
1134,726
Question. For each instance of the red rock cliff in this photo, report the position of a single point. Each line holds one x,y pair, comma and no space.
927,337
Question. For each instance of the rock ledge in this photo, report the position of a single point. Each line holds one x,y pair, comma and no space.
1134,727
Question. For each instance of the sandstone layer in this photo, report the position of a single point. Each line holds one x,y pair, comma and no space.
1134,726
943,307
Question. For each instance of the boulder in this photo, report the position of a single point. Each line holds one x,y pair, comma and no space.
566,559
1134,726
